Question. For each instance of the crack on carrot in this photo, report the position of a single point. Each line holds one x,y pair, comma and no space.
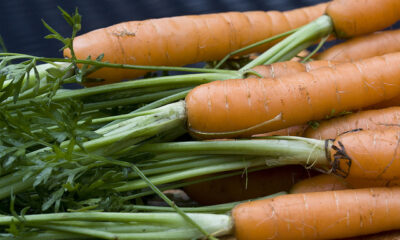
393,158
239,132
340,156
350,131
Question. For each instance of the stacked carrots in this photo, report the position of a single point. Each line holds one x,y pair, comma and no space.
359,153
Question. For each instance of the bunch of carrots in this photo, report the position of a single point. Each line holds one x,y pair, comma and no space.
278,149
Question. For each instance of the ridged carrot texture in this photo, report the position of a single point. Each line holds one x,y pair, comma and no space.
319,215
330,129
244,107
329,182
177,41
374,44
370,154
358,17
367,120
287,68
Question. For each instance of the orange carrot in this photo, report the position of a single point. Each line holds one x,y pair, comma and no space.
344,18
367,154
297,130
371,119
287,68
183,40
389,235
328,182
388,103
246,107
375,44
358,17
320,183
319,215
246,186
330,129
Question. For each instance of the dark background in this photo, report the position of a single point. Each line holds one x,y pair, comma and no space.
23,32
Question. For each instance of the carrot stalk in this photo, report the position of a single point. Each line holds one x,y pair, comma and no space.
219,208
177,227
339,14
354,154
305,36
320,215
248,47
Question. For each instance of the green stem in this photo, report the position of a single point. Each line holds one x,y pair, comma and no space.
220,208
179,228
188,79
248,47
163,101
116,65
218,166
177,167
16,187
132,100
114,227
79,230
305,35
271,152
133,131
277,147
170,203
320,44
198,180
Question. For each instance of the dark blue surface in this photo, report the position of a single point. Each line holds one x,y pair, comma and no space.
22,30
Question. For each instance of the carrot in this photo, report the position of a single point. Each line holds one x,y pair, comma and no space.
371,119
297,130
389,235
287,68
388,103
246,186
328,182
320,183
344,18
319,215
358,17
374,44
186,39
223,108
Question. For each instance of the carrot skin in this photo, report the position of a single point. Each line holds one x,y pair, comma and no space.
366,120
319,215
182,40
329,182
288,68
358,17
320,183
239,104
367,154
389,235
371,45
